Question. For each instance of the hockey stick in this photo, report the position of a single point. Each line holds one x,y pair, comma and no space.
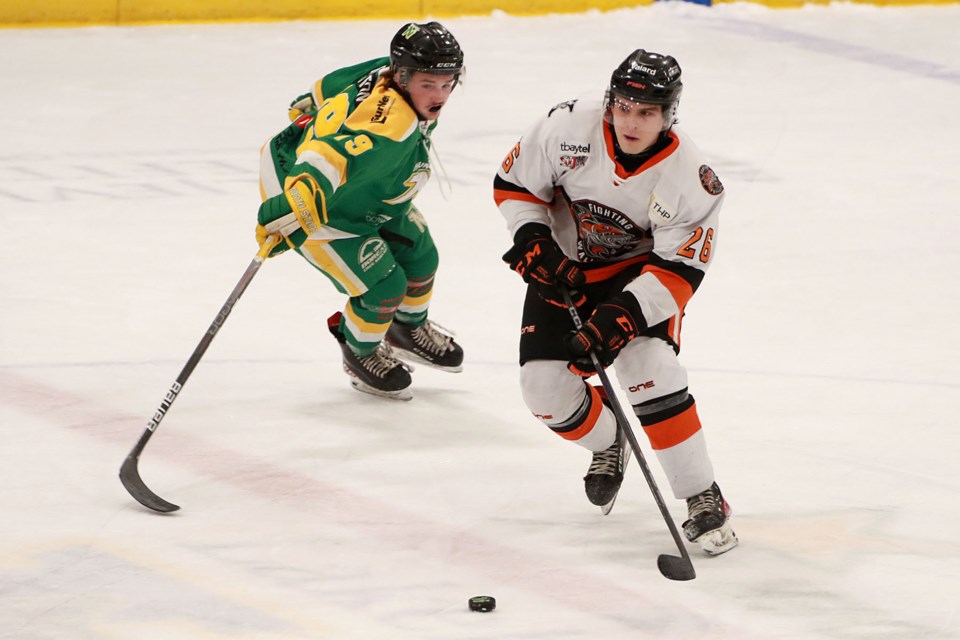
129,474
672,567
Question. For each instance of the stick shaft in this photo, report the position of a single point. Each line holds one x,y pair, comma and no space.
628,431
129,472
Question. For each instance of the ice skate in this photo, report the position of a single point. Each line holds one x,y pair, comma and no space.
380,373
708,523
427,344
605,474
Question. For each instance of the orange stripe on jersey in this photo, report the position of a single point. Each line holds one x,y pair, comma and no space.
499,195
596,406
608,134
606,272
673,328
679,288
672,431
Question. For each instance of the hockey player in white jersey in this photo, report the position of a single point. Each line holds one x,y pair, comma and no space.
611,201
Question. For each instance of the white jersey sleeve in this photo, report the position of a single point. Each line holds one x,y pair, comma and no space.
684,211
525,182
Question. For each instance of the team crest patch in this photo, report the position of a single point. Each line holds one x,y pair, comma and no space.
604,233
572,162
370,252
711,183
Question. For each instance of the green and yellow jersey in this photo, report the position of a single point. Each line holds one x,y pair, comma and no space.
354,157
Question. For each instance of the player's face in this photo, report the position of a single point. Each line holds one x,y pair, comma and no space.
429,92
637,124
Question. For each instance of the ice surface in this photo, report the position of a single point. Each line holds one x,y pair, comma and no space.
822,346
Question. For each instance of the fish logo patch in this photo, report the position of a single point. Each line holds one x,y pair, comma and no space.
711,183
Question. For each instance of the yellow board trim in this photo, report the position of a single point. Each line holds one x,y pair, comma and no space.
59,13
69,13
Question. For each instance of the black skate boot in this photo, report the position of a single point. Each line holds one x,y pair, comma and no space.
427,344
605,474
708,523
379,373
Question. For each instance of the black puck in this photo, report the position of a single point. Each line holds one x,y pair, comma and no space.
482,603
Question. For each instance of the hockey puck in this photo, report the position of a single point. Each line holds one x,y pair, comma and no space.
482,603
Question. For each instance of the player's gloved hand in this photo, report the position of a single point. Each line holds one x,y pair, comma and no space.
264,237
553,296
293,215
538,259
304,105
613,324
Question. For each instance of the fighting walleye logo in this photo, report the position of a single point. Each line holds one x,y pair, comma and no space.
710,182
604,233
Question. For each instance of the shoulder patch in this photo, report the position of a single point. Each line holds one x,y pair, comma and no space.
711,183
384,113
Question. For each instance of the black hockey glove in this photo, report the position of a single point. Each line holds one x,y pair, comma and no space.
538,259
613,324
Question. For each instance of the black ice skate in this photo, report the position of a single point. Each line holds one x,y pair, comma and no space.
379,373
605,474
708,523
427,344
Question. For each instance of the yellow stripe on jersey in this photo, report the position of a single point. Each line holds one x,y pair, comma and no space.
361,329
319,254
318,91
415,304
325,159
385,114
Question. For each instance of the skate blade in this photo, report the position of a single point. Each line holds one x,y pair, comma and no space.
409,356
718,541
400,394
605,509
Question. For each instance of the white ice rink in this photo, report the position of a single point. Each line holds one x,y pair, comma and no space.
822,347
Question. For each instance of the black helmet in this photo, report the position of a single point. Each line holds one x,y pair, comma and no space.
648,77
429,48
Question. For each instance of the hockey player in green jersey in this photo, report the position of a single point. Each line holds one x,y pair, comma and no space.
338,185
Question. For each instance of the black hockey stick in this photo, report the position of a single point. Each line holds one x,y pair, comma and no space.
129,474
672,567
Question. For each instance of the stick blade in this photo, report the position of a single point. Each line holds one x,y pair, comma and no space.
130,477
676,567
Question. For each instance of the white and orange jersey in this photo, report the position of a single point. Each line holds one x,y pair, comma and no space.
563,173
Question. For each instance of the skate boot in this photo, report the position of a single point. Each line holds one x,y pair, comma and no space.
708,523
428,344
605,474
379,373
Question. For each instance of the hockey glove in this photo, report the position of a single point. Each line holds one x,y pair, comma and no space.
613,324
303,105
553,296
263,236
293,214
536,256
